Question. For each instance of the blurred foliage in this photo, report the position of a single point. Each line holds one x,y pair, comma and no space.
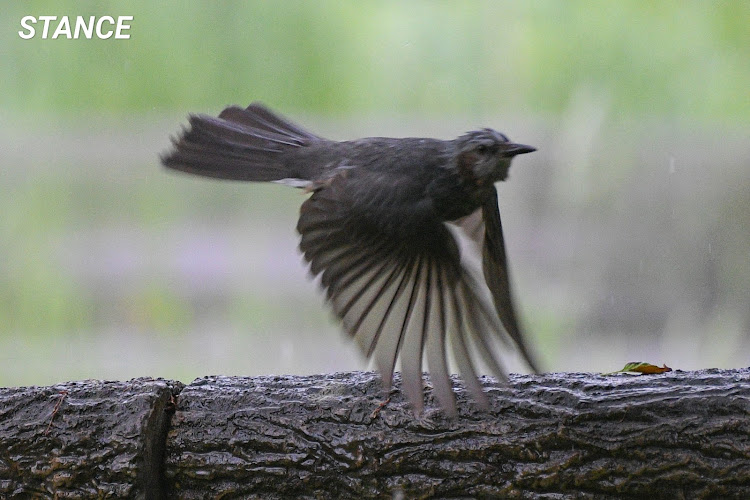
96,240
36,293
682,58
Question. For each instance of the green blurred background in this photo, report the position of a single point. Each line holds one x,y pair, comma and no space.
628,231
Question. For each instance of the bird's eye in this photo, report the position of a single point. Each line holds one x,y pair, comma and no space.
482,149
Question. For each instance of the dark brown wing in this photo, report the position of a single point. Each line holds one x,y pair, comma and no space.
496,275
394,275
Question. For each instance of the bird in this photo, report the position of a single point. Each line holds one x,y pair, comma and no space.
405,234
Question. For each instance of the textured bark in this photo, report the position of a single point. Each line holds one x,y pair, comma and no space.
678,435
89,439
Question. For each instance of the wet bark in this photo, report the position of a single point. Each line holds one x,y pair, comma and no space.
89,439
677,435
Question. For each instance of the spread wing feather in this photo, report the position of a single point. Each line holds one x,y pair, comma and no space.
496,275
399,290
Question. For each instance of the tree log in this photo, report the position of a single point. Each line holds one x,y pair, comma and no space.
677,435
89,439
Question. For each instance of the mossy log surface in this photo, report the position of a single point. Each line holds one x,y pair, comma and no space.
559,435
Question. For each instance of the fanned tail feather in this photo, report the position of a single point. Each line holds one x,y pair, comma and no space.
239,144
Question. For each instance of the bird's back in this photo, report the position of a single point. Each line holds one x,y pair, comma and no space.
393,156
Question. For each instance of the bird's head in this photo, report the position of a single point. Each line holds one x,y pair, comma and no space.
483,156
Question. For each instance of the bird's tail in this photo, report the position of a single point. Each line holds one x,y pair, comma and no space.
240,144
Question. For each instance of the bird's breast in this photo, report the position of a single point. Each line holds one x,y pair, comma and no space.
454,198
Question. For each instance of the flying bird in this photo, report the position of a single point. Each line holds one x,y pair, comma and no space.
405,233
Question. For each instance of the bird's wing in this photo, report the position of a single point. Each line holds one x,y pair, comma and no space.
496,275
394,275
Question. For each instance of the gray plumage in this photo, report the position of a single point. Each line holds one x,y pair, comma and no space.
405,233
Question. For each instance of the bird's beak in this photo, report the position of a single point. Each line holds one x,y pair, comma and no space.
511,149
